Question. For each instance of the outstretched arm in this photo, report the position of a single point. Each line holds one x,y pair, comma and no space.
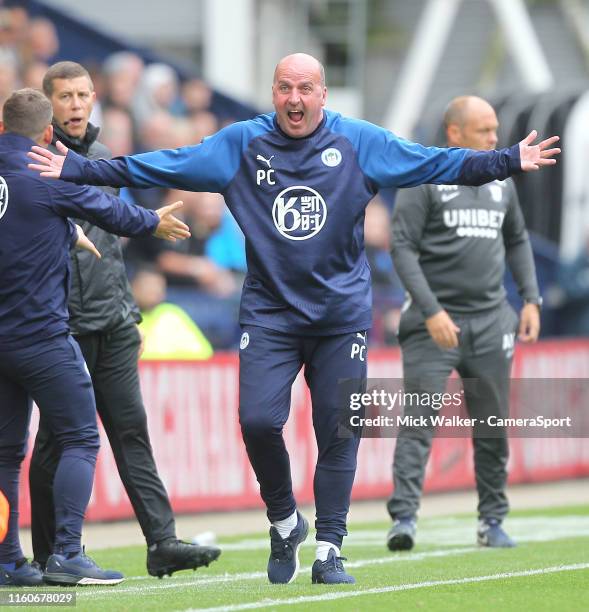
208,166
390,161
193,168
480,167
113,214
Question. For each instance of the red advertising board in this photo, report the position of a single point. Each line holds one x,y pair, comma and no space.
193,421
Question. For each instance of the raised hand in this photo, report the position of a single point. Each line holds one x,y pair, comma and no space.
171,228
48,164
533,157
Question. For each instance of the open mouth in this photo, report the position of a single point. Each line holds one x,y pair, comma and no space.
295,116
76,121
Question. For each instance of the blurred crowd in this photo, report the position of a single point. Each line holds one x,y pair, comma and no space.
145,107
27,48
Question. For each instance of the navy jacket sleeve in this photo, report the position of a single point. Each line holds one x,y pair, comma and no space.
390,161
107,211
208,166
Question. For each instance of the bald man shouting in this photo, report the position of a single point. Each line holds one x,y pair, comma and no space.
297,182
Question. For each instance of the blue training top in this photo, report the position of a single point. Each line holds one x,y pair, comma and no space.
300,203
35,239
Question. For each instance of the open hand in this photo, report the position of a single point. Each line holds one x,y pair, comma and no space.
171,228
48,164
533,157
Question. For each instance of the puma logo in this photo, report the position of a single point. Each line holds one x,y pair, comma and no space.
266,161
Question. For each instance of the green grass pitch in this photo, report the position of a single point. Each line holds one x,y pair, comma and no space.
549,570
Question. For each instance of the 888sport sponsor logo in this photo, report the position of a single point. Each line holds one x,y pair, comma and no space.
299,212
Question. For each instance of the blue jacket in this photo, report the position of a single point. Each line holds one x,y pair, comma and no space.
300,204
35,240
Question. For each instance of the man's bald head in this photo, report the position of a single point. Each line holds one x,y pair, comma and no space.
299,94
462,107
471,122
300,61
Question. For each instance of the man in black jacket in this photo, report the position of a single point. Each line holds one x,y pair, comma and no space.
103,319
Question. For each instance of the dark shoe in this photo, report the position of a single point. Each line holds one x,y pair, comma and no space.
490,533
24,574
331,571
174,555
401,535
78,570
283,564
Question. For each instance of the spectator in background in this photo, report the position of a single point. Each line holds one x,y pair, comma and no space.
159,129
169,333
117,131
206,262
95,72
14,25
158,90
43,42
196,96
33,73
8,80
201,125
121,75
122,72
204,278
387,290
573,278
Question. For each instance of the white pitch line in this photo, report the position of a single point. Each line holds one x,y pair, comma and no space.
448,531
455,532
541,529
267,603
172,584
